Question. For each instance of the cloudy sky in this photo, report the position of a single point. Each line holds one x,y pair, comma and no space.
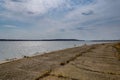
49,19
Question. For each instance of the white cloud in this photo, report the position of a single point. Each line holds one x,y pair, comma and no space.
103,11
9,26
34,7
99,14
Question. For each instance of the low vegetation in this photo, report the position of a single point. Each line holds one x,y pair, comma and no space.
117,46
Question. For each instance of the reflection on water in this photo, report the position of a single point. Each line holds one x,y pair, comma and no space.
18,49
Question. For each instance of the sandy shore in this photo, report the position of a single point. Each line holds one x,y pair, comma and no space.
93,62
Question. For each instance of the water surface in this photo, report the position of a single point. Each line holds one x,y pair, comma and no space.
18,49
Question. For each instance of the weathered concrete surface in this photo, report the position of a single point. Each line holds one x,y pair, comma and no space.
95,62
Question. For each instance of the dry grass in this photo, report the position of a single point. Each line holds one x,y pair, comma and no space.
117,46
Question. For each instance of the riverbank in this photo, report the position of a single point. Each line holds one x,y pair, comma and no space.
93,62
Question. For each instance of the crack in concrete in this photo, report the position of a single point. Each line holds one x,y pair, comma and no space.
44,75
65,63
75,57
111,73
60,76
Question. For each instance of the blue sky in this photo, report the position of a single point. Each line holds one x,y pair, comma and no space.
49,19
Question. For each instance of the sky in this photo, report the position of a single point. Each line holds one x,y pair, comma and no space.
62,19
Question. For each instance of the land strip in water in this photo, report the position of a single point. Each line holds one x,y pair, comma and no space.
88,62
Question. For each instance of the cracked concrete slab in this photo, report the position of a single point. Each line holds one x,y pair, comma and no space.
72,71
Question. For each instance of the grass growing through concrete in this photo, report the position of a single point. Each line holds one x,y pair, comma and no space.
117,47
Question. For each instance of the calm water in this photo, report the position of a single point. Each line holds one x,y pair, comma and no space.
18,49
